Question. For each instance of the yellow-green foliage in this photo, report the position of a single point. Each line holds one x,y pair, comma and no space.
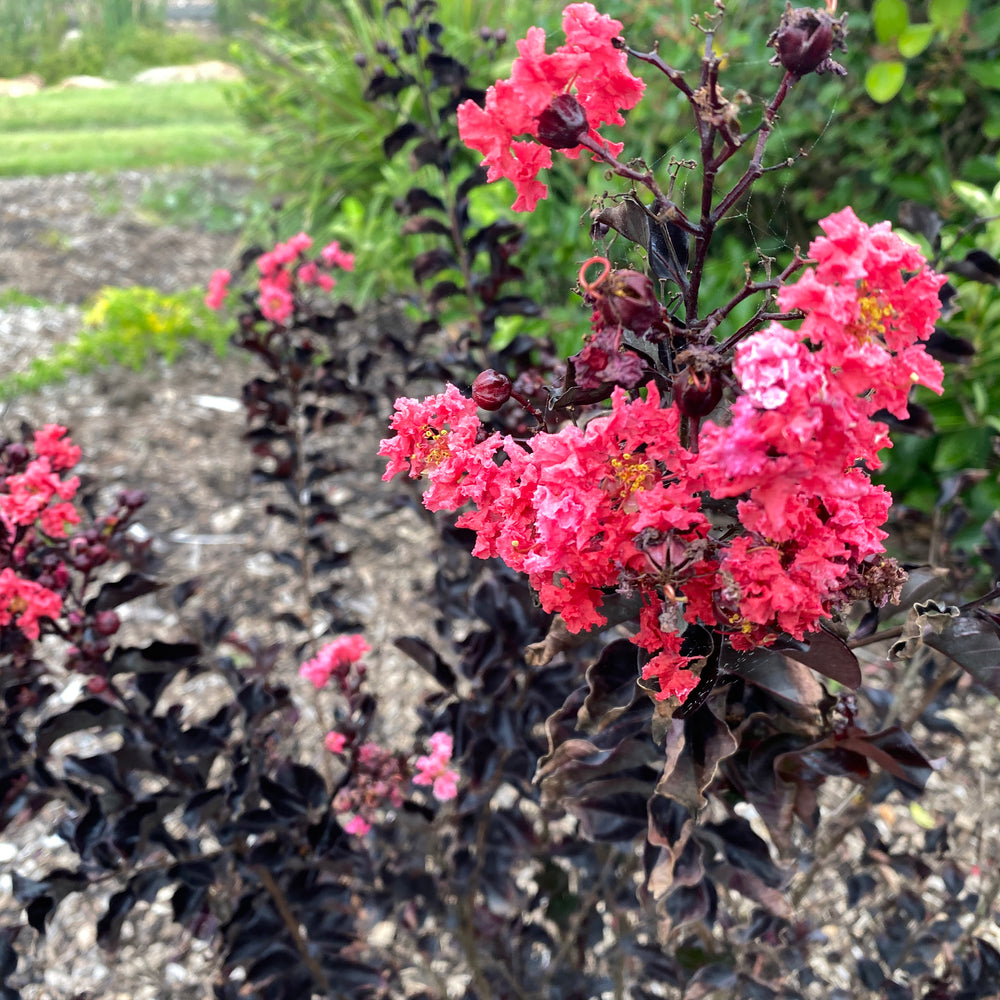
126,326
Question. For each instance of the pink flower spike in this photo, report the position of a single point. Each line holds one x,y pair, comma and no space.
218,289
335,742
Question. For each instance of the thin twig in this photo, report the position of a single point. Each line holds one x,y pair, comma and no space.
281,903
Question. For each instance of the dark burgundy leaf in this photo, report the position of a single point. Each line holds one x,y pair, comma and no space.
711,979
859,886
289,559
110,924
830,656
91,827
432,262
977,265
382,85
444,290
128,588
695,747
512,305
8,955
431,152
893,750
424,224
86,714
973,642
921,219
950,349
398,138
445,71
744,849
422,653
156,658
779,675
611,816
417,199
611,684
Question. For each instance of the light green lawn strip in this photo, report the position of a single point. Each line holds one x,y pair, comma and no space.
124,104
110,149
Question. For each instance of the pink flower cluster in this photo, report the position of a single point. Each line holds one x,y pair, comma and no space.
587,65
617,504
433,770
283,271
378,778
335,659
35,505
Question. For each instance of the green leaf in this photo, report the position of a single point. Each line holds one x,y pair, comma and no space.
987,74
884,80
947,15
890,18
915,39
975,198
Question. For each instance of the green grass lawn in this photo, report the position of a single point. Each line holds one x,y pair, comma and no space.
124,127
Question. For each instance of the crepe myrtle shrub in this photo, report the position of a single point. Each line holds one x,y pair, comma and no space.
721,509
616,785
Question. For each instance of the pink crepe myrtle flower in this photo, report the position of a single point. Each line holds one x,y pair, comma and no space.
333,256
357,826
52,442
334,659
276,303
23,603
335,742
587,66
29,493
433,769
617,503
218,289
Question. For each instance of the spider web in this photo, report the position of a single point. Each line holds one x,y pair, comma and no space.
766,233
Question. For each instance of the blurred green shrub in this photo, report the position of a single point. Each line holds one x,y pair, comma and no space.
954,467
306,96
112,38
129,327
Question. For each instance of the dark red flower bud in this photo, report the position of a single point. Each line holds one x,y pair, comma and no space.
106,623
16,454
133,499
696,396
628,299
491,390
562,123
804,40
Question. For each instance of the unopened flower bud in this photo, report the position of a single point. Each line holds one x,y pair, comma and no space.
16,454
106,623
804,40
491,390
697,393
562,123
